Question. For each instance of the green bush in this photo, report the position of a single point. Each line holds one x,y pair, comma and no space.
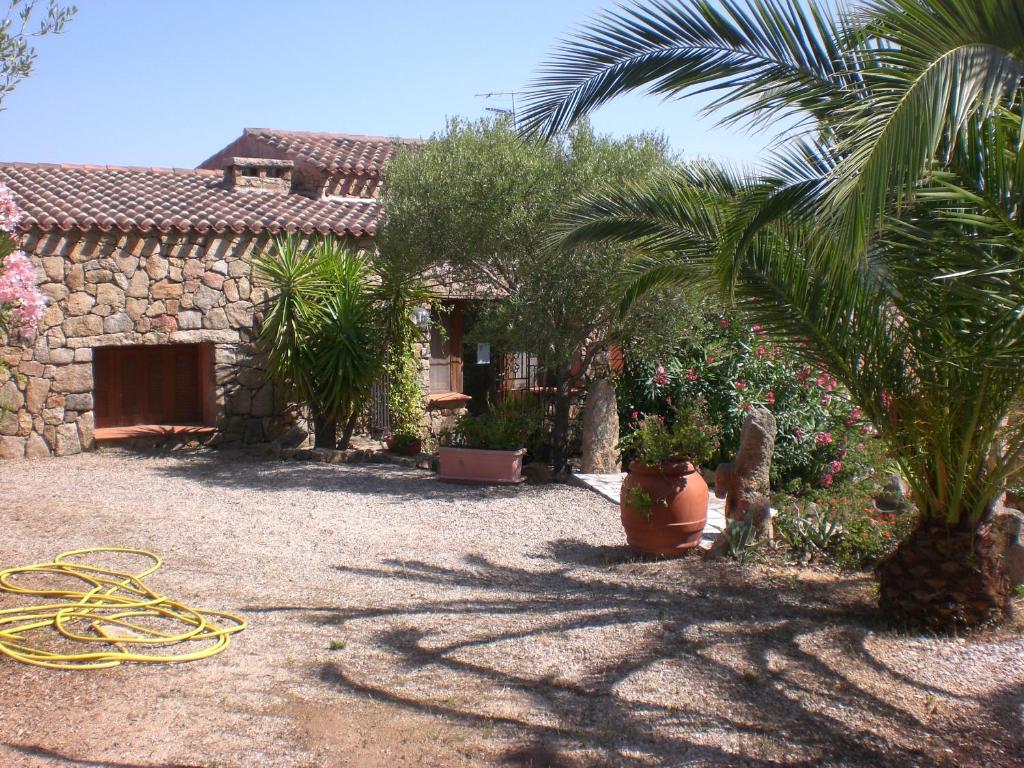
510,425
689,438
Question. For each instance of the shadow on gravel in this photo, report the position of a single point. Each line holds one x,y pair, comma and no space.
769,671
59,758
223,469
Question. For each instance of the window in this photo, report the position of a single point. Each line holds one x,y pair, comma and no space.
153,385
446,350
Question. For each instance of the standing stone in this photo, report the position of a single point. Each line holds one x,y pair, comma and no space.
745,482
600,429
1008,536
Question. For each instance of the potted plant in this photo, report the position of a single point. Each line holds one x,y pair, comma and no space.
488,448
404,441
664,499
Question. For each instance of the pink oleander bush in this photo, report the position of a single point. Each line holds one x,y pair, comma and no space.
727,363
21,301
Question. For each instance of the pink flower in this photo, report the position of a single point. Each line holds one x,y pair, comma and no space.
762,351
758,330
10,214
778,351
826,398
691,375
748,407
886,399
822,380
798,434
711,359
18,288
826,479
770,397
853,417
724,322
803,375
660,377
740,384
865,429
823,438
837,467
634,415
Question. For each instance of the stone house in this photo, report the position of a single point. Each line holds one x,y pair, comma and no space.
149,329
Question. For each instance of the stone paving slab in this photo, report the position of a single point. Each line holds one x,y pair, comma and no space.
609,486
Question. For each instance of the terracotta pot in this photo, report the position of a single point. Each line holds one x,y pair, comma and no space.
678,511
410,448
474,465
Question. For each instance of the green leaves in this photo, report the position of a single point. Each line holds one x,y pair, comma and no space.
321,331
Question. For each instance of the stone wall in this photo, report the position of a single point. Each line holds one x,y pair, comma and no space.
110,289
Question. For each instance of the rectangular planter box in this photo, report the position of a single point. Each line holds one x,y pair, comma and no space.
474,465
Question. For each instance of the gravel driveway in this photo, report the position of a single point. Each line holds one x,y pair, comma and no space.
473,626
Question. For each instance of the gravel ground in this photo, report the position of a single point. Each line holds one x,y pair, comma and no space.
481,626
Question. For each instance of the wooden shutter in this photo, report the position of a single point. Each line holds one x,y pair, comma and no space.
148,385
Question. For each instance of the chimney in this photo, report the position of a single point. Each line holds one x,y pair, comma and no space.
258,174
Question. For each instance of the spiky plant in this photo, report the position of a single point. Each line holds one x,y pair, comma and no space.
320,333
886,234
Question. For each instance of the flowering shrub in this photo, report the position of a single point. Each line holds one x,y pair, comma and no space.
690,438
21,302
730,365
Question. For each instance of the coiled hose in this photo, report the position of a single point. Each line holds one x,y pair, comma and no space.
116,616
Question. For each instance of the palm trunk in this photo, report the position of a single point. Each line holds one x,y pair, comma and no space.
325,431
943,578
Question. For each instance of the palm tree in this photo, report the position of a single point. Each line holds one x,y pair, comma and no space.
886,233
320,331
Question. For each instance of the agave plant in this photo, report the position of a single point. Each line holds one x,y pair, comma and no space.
320,331
885,235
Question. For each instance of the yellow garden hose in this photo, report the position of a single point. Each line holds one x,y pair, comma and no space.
116,616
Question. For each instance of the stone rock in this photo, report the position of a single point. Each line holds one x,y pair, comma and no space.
745,481
193,268
10,424
263,401
83,355
79,402
600,429
126,263
61,356
67,441
80,303
12,447
11,398
53,266
74,277
1008,536
110,294
96,276
190,320
35,447
213,280
166,290
220,267
136,308
245,290
231,290
156,308
216,319
73,379
138,286
206,297
237,268
157,267
119,323
36,392
240,314
86,425
86,325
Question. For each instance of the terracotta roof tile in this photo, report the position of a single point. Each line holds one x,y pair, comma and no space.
332,152
144,199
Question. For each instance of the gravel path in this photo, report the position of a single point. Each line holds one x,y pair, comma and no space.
480,626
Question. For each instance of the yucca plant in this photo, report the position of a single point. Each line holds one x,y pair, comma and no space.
320,332
885,237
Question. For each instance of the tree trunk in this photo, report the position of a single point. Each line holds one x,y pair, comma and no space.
560,427
350,425
942,578
325,432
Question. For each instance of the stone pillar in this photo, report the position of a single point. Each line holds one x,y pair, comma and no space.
600,429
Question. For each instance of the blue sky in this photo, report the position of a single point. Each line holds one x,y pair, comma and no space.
136,82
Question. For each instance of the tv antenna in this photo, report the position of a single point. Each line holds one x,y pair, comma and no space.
501,110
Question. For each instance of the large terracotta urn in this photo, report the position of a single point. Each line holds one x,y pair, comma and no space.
664,508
